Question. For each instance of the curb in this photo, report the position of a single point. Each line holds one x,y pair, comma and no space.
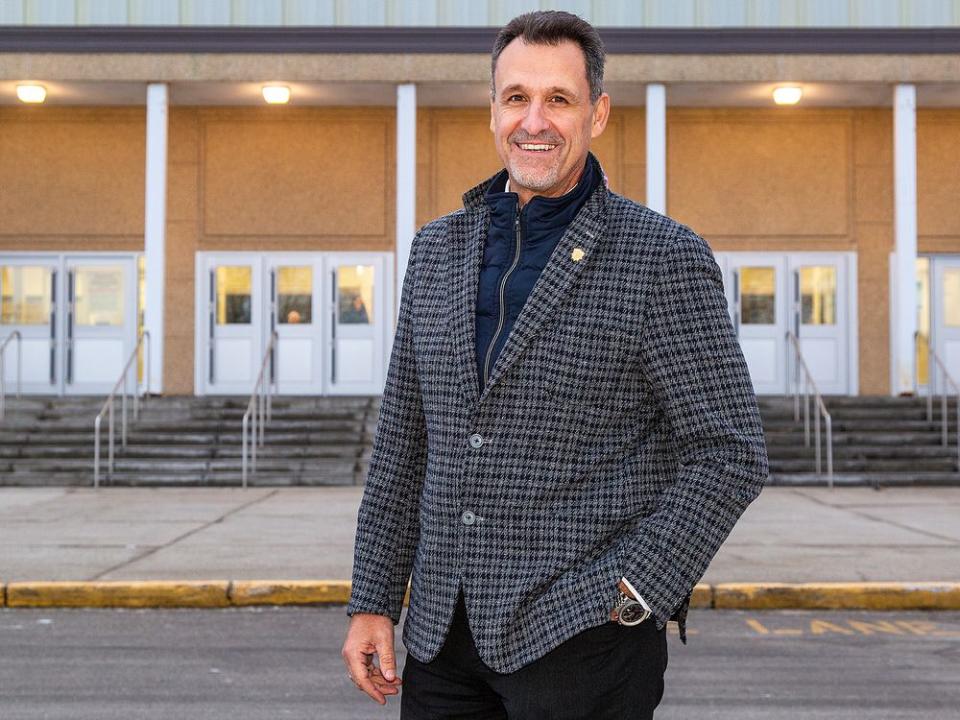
242,593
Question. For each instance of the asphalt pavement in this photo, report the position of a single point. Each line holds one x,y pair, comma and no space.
284,662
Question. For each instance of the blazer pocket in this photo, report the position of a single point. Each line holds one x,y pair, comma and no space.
588,362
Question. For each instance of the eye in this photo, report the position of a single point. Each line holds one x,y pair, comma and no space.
558,99
515,97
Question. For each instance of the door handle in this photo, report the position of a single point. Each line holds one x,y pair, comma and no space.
212,315
333,327
53,327
736,302
70,311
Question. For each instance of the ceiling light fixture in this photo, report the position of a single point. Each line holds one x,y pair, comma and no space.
787,95
276,94
31,93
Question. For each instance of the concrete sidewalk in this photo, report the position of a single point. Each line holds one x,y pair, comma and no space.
788,535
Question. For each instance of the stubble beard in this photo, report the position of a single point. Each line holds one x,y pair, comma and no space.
532,179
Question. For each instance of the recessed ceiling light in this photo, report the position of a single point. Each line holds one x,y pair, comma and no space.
276,94
787,95
30,93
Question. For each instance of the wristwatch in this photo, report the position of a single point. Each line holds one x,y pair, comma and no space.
629,610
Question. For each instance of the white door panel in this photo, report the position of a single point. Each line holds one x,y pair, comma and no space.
807,293
821,317
946,313
328,310
358,316
757,284
101,317
29,292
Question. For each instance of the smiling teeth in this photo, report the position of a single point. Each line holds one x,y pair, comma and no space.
536,147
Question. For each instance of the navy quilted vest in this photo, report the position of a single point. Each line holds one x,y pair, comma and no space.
516,249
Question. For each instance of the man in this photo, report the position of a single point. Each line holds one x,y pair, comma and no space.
568,430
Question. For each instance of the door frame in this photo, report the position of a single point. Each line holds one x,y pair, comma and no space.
938,262
57,259
322,260
846,262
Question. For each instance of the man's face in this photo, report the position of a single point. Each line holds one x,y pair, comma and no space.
542,118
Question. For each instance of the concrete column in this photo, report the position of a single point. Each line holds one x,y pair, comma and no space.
406,179
904,293
657,147
155,230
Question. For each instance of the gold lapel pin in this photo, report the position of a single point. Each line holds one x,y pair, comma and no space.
577,254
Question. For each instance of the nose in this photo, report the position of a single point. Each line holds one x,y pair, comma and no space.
534,122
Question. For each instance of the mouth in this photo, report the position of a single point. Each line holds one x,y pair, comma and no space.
536,148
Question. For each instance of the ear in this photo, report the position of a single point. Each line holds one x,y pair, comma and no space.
493,110
601,113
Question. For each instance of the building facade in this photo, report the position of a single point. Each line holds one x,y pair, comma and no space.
155,190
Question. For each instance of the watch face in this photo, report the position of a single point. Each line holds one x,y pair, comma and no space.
631,613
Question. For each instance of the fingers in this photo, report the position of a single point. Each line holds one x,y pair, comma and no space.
388,661
387,687
359,664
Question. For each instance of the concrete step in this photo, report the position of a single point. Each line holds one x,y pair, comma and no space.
872,479
842,451
796,465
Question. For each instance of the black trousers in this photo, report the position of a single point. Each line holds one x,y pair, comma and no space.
609,671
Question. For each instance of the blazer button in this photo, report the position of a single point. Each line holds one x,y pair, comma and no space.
476,440
468,517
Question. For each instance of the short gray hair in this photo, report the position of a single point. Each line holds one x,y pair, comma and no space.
551,27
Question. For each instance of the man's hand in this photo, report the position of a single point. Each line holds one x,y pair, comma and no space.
368,634
623,588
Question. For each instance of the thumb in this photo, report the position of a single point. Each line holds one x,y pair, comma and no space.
388,661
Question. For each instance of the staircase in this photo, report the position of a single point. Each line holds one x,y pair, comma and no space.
876,441
195,441
192,441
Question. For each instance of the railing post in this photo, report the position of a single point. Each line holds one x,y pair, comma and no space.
243,450
110,423
829,422
943,409
253,436
817,439
123,413
96,450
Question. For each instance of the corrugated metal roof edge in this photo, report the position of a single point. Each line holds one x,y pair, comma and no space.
466,40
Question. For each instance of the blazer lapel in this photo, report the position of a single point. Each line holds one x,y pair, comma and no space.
465,252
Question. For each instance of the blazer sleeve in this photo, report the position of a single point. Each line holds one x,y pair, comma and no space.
388,527
690,356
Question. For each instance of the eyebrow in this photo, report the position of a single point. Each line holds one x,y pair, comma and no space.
555,90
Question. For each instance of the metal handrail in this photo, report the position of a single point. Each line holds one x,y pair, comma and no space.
808,382
931,391
3,373
258,406
144,341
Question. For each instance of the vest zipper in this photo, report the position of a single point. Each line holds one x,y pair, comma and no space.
503,284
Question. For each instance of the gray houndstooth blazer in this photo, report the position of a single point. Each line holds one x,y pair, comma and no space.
618,435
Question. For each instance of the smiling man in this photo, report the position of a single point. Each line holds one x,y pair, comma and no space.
568,430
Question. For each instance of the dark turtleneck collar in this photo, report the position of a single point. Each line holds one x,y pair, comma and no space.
541,216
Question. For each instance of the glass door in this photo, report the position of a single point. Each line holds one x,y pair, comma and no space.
28,304
358,320
100,317
757,284
946,313
231,284
294,312
819,286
